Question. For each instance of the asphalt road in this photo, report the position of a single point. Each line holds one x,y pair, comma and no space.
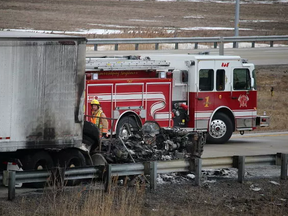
250,144
258,56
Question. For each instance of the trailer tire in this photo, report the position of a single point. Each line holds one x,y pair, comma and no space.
126,126
71,158
220,130
91,131
37,161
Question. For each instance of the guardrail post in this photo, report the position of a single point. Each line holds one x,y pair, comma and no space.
278,159
116,47
253,44
198,171
196,46
215,45
136,46
108,178
11,185
241,168
153,175
95,47
156,46
284,161
235,45
221,46
176,46
271,43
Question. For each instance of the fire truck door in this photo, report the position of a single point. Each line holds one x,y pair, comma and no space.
241,101
158,103
204,100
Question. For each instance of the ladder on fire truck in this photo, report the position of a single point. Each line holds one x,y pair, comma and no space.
114,63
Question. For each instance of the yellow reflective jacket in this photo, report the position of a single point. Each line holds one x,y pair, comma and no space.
99,119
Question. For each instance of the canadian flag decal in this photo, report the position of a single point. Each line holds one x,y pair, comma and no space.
225,64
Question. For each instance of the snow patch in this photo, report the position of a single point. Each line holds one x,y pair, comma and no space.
214,28
140,20
255,188
166,157
228,1
275,183
193,17
111,26
256,21
79,32
191,176
209,181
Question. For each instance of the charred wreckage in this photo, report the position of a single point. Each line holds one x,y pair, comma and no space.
149,143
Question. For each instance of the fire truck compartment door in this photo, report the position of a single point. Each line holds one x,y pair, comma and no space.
158,103
103,93
129,96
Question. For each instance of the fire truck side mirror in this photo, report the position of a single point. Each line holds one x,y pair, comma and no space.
184,76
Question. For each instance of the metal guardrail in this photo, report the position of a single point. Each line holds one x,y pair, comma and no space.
195,40
147,168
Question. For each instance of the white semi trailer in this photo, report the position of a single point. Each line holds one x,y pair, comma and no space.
41,100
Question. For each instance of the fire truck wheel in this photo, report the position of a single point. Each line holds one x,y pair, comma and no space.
38,161
126,126
221,129
71,158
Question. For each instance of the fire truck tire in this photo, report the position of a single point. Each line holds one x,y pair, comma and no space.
71,158
221,129
40,160
126,126
91,131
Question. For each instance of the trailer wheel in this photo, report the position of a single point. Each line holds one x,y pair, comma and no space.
71,158
221,129
38,161
126,127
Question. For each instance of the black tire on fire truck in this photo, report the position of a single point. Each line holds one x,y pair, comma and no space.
126,126
221,129
70,158
40,160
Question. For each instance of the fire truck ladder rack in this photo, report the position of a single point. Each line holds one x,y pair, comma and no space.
110,64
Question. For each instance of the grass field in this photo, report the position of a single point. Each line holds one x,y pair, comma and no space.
275,106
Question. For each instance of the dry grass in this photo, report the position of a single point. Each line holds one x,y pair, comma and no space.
84,201
221,198
275,106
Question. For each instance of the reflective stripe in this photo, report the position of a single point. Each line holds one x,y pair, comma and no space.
3,138
96,119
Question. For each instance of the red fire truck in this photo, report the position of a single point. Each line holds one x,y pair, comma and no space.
216,94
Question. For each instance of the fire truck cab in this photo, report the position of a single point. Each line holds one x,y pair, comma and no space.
216,94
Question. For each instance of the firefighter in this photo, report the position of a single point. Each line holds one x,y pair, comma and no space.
99,118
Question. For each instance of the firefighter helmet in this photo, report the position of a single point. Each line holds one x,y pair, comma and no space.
95,102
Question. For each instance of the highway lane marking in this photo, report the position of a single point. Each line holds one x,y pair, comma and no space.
262,135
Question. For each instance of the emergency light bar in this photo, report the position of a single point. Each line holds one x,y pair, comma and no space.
95,76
